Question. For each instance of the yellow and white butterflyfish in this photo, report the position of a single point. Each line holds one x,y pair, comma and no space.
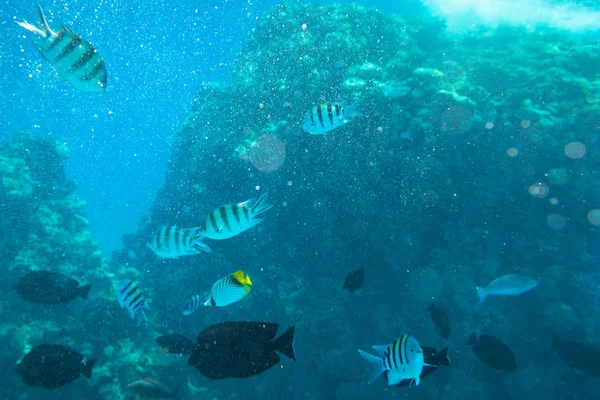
229,289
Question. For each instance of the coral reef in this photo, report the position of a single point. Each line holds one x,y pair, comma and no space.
456,172
428,189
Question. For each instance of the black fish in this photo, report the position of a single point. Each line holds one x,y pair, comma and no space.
493,352
175,344
51,366
149,388
441,322
47,287
579,355
435,358
240,349
354,280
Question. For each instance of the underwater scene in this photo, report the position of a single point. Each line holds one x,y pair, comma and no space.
240,199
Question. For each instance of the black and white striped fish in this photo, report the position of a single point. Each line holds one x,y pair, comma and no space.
194,303
229,289
72,57
232,219
131,298
173,242
403,359
326,117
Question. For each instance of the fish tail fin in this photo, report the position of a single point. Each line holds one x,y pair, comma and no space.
86,368
285,343
199,244
375,363
472,341
83,291
210,302
140,317
32,28
260,205
442,358
482,294
47,31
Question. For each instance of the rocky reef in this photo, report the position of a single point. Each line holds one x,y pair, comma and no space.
474,157
457,172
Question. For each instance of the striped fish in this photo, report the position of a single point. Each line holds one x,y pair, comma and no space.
230,289
173,242
194,303
326,117
132,298
232,219
403,359
72,57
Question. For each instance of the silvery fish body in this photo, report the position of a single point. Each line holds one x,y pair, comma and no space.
327,117
403,359
173,242
131,298
232,219
507,285
72,57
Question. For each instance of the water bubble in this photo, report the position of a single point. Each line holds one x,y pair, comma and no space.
539,190
489,125
575,150
267,154
525,124
556,221
558,176
593,217
512,152
554,201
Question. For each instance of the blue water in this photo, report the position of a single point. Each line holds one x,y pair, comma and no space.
431,208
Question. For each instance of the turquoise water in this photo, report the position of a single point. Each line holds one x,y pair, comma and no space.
474,156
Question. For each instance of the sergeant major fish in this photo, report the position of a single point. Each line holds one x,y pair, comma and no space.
173,242
132,298
403,359
72,57
194,303
327,117
232,219
229,289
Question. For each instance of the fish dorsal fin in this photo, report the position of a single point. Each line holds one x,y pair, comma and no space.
380,349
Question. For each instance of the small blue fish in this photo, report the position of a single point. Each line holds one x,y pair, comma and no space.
71,56
172,242
194,303
403,359
230,220
507,285
327,117
132,298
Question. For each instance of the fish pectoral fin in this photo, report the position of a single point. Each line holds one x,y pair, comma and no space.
32,28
